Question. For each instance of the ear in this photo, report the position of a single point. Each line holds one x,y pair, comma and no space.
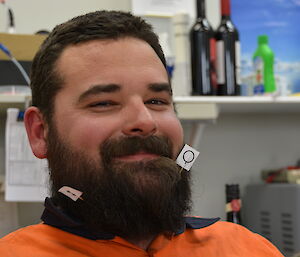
37,131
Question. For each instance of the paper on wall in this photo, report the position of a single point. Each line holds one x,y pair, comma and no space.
26,176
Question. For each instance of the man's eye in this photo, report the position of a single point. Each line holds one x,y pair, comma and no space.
103,104
157,102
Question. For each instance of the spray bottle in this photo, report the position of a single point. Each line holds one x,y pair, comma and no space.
263,60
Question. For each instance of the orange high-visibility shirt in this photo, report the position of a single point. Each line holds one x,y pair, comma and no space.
222,239
60,235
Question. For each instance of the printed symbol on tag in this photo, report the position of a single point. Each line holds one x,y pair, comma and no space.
187,157
71,193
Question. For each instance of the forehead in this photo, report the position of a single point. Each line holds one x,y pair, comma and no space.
128,62
106,56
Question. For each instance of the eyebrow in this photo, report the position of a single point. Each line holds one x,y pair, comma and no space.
98,89
112,88
161,87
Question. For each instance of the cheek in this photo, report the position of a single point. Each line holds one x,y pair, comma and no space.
172,128
87,135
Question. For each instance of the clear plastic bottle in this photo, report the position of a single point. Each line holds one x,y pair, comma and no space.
170,59
181,83
263,60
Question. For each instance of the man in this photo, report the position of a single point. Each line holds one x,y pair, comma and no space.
103,117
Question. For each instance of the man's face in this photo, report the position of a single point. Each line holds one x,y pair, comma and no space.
114,135
114,89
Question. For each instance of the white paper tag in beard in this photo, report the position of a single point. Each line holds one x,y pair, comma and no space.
70,192
187,157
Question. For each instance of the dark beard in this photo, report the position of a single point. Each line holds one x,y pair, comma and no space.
132,200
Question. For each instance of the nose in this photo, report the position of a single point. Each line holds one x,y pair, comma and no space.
139,121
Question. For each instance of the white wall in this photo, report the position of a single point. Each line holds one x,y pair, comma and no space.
236,149
34,15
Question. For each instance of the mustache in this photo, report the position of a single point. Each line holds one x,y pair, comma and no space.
159,145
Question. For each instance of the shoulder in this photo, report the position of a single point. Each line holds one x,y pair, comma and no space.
25,241
232,238
233,233
13,241
25,233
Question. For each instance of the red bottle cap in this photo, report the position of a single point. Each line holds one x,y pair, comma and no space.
225,7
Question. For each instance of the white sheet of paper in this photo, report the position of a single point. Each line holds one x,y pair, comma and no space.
26,176
70,192
163,7
187,157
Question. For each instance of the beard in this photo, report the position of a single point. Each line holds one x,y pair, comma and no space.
133,200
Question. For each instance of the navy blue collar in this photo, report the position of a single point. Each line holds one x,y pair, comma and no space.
56,217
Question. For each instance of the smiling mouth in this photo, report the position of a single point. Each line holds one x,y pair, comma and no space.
142,156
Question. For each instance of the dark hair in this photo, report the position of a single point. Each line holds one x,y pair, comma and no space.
46,80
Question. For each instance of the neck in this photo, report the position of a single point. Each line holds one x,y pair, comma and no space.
225,17
200,9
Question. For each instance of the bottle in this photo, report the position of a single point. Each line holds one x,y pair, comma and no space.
10,18
233,203
228,54
181,81
164,42
263,60
203,54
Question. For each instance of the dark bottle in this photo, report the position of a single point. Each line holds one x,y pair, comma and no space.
228,54
203,54
233,203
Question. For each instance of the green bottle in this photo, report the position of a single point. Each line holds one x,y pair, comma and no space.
263,59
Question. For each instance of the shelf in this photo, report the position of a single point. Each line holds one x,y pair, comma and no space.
202,108
197,111
185,111
12,101
247,104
